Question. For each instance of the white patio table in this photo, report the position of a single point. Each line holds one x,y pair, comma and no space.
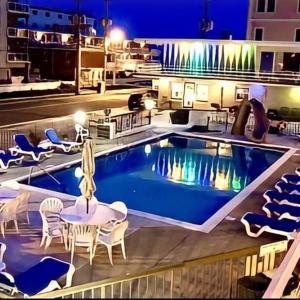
8,194
101,216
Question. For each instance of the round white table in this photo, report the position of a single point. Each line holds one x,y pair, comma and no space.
7,194
102,215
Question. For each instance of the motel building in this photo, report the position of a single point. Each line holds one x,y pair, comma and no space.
197,73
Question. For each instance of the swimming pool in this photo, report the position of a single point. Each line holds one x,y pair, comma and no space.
180,178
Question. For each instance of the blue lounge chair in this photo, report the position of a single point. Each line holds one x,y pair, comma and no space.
282,198
291,178
6,159
282,211
287,187
55,141
271,225
39,279
24,147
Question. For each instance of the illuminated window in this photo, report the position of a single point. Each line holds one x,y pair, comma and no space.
177,90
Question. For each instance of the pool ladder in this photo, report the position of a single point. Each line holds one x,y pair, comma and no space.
43,170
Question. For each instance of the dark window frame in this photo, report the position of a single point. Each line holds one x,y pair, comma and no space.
262,33
59,16
297,35
259,5
47,14
34,12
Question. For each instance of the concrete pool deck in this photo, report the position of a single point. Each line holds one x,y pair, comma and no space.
149,243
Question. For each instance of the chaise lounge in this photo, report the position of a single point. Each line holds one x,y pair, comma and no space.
6,159
282,198
39,279
291,178
287,187
55,141
282,211
286,228
24,147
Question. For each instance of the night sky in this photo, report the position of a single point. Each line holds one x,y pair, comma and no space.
163,18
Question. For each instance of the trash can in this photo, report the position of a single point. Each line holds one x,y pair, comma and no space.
252,287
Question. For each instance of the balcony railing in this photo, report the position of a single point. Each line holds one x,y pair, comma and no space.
15,7
17,57
17,33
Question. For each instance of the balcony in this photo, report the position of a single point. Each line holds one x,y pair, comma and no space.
17,57
18,8
17,33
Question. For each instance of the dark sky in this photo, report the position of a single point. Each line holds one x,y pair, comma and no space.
164,18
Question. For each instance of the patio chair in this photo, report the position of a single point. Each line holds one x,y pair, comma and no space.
24,147
2,251
41,278
288,187
82,235
81,133
282,198
286,228
121,207
8,212
58,143
115,236
291,178
6,159
53,227
22,207
282,211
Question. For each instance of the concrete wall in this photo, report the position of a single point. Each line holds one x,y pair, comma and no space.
276,96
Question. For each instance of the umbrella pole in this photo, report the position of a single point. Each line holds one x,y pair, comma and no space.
87,205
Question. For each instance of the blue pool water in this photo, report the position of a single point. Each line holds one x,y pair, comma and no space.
186,179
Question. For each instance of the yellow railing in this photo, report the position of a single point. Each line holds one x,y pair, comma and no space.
209,277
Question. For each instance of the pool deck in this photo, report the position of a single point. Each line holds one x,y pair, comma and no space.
149,243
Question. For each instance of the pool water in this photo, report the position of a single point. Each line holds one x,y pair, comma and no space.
185,179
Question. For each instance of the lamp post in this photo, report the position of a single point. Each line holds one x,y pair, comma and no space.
78,56
116,37
105,23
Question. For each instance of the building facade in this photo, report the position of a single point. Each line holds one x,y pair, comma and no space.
14,59
274,20
43,43
197,73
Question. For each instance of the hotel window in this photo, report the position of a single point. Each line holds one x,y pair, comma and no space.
34,12
202,92
259,32
47,14
297,35
298,5
266,5
59,16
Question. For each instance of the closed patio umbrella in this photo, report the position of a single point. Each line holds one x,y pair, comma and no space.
87,185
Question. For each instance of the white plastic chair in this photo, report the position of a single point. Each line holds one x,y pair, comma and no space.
112,238
53,227
2,251
121,207
8,212
81,132
83,236
23,205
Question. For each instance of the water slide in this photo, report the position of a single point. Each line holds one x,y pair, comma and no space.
261,126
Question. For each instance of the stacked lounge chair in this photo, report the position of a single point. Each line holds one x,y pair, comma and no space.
282,210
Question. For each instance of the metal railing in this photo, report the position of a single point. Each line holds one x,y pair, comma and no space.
13,32
17,7
17,57
208,277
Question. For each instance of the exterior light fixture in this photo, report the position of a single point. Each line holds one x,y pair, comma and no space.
149,104
148,149
117,35
80,117
78,172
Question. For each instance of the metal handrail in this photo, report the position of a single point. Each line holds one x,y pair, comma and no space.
44,171
250,255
